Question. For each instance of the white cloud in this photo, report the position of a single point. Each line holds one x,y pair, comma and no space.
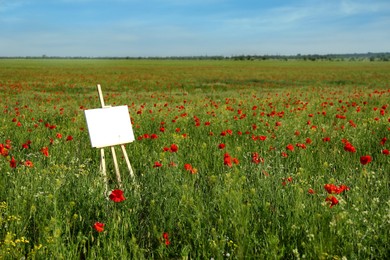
10,5
354,7
307,26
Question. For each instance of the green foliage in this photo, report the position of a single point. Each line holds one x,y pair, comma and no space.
272,206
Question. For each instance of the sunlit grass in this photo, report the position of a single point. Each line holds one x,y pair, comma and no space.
295,116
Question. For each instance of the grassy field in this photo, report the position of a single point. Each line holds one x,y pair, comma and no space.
232,159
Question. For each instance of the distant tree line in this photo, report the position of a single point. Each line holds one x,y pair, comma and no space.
381,56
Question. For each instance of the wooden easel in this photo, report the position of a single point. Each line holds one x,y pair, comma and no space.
102,156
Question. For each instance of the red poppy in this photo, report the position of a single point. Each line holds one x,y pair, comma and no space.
174,148
157,164
28,163
352,123
385,152
221,146
45,151
290,147
189,168
227,160
334,189
166,239
3,150
332,199
349,147
235,161
117,196
69,138
365,159
330,188
326,139
286,180
98,226
256,159
12,162
311,191
262,137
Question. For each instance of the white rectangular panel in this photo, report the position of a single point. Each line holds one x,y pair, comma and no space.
109,126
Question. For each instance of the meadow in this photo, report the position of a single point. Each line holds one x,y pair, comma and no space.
232,160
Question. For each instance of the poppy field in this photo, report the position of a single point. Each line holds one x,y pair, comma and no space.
232,160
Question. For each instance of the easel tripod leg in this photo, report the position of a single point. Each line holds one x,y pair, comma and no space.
103,168
118,175
127,161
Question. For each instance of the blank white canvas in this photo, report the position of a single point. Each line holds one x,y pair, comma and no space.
109,126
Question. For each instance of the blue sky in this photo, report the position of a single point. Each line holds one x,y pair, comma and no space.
96,28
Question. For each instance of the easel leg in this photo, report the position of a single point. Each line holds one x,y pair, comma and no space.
127,161
103,168
118,175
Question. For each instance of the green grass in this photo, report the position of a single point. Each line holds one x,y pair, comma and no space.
255,211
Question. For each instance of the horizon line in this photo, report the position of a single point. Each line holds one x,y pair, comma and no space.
44,56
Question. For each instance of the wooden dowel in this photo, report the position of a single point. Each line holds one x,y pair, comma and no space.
100,95
103,169
118,175
127,160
